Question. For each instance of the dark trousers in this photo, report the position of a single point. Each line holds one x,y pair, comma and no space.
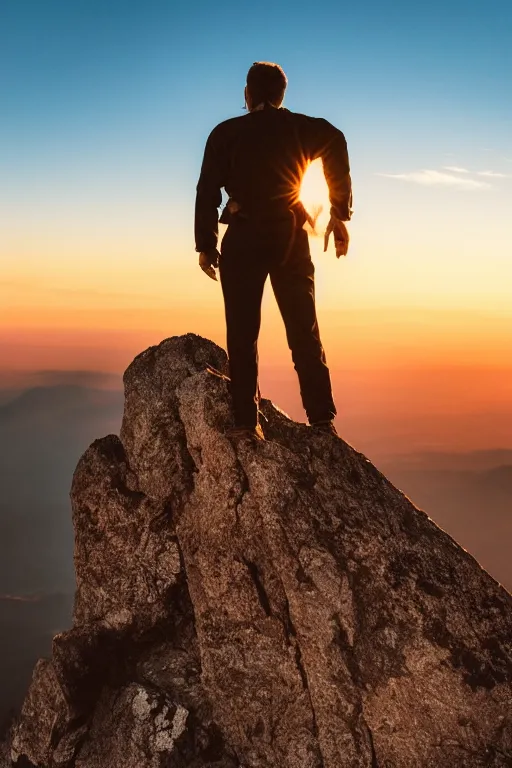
249,254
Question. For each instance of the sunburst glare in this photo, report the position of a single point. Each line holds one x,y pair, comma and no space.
314,194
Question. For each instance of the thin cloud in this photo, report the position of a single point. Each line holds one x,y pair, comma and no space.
455,169
437,178
21,598
492,174
90,379
17,381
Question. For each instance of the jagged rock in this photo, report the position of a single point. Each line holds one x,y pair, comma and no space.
133,723
261,605
44,709
6,746
5,753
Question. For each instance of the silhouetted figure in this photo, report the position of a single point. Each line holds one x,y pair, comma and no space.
260,159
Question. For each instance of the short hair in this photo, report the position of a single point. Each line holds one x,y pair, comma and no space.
266,82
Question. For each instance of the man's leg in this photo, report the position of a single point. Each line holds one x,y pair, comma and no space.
294,288
242,279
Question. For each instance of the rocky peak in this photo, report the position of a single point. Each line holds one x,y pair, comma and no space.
276,604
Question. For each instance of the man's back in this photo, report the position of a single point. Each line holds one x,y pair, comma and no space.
260,159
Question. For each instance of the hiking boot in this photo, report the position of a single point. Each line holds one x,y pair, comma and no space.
250,433
325,426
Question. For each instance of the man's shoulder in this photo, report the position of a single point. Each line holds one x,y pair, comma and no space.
227,126
309,124
313,126
232,123
300,117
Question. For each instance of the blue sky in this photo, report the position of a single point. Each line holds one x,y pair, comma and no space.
92,86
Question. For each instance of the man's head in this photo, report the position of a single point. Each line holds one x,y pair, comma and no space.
265,82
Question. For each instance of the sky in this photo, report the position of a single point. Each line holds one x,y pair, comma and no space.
105,111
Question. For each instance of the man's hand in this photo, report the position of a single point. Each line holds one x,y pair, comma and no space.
341,236
208,260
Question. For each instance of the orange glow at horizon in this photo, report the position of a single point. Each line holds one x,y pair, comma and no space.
415,321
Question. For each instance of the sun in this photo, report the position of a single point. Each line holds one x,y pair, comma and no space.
314,193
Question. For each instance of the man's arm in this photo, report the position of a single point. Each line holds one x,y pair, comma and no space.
326,141
329,143
209,196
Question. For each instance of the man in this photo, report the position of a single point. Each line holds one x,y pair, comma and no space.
260,159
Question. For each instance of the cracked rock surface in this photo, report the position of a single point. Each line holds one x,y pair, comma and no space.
276,604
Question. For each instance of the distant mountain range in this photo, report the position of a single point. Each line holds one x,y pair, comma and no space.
467,494
44,431
26,630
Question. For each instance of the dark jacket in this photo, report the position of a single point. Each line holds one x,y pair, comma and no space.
260,159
